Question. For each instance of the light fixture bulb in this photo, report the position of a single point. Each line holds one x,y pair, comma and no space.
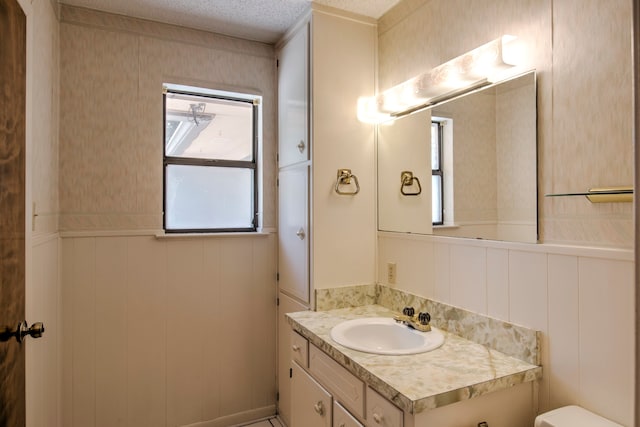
483,65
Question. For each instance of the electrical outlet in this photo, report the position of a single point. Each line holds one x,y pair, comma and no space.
391,273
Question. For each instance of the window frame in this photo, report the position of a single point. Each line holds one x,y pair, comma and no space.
440,171
254,100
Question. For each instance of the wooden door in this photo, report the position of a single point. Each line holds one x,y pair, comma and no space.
13,35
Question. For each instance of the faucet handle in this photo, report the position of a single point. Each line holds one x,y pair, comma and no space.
424,318
408,311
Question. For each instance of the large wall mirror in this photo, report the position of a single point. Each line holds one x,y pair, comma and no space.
465,167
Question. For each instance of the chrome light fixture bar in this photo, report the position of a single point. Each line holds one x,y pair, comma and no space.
478,67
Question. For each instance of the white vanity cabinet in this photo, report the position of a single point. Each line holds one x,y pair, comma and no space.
323,393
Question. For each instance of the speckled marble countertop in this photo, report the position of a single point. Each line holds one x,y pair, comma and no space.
459,370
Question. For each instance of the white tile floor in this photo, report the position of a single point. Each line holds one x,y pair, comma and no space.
271,422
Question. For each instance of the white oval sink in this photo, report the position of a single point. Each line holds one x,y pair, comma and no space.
383,335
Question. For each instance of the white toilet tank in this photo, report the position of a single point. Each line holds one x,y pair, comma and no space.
572,416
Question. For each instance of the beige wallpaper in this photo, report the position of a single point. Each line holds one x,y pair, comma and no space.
43,150
112,70
583,62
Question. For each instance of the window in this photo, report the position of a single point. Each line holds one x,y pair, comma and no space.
437,205
210,160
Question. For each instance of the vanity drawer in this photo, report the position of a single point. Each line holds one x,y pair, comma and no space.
342,417
381,412
344,386
299,349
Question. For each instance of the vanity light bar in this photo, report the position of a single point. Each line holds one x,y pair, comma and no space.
478,67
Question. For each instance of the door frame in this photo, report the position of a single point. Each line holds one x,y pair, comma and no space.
27,8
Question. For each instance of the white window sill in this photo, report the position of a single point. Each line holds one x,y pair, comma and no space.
445,227
263,232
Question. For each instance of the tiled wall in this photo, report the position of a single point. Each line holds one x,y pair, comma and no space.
577,286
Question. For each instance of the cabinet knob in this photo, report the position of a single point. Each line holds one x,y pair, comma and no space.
295,347
300,233
377,418
319,407
301,146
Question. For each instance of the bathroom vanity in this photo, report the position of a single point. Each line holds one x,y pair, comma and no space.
462,383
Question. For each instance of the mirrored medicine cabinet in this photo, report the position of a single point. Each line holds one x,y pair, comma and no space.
472,164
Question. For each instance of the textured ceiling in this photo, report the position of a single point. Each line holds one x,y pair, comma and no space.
261,20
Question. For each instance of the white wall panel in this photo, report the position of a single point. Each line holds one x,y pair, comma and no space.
211,337
146,339
186,330
581,299
564,329
43,356
111,331
528,289
607,337
468,278
237,317
83,328
498,283
169,331
442,272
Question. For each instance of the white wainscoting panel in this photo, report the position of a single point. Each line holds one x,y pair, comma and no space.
172,331
44,355
580,298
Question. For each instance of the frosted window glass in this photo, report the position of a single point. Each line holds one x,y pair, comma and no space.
205,197
435,146
436,206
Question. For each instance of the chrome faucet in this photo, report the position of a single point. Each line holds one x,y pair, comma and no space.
419,322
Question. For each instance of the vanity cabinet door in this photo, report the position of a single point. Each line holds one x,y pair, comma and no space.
342,418
381,412
311,403
293,102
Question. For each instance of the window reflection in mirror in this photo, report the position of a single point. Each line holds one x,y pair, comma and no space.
486,181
